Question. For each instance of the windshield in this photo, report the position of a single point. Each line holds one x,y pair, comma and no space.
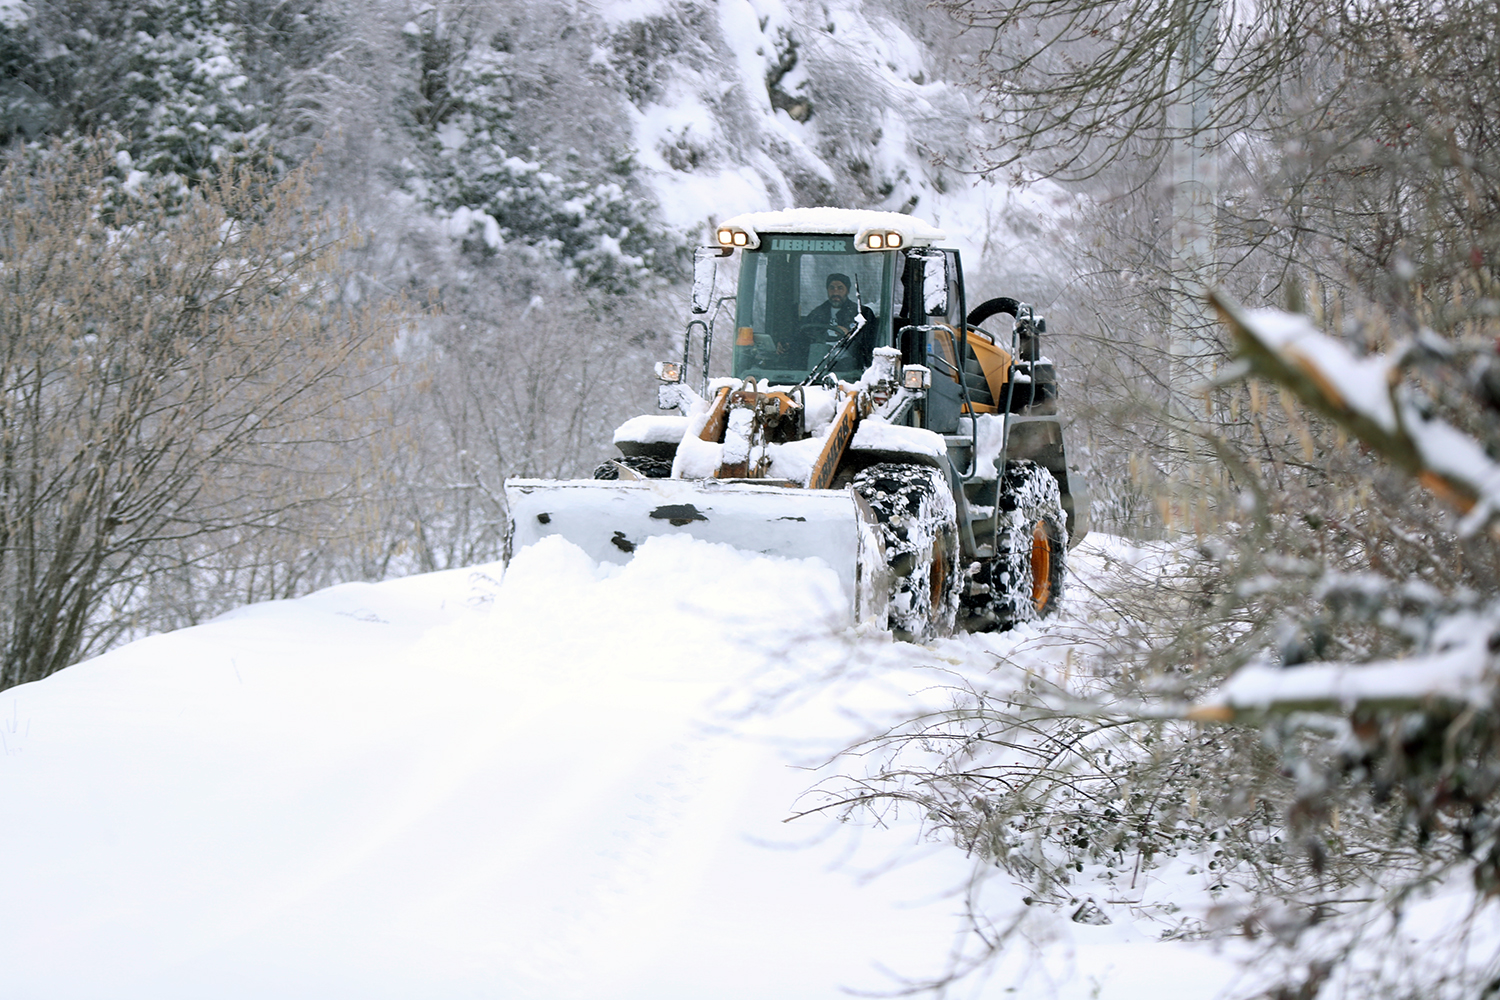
797,299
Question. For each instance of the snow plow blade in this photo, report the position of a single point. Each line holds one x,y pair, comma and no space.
609,519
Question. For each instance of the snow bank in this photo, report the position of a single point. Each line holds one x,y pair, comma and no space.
568,781
447,786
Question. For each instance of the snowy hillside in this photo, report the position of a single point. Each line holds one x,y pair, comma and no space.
760,104
569,782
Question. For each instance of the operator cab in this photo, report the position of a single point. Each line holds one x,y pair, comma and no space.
806,273
798,296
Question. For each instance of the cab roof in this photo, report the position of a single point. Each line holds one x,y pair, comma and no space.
842,221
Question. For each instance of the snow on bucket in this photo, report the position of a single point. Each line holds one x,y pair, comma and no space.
610,519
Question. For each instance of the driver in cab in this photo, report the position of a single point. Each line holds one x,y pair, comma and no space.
837,312
831,320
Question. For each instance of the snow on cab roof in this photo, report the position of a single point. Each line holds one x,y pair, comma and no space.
855,222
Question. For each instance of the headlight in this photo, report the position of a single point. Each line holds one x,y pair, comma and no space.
916,377
730,237
669,371
882,239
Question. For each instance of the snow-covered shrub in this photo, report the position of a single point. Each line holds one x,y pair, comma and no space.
186,84
1297,700
474,108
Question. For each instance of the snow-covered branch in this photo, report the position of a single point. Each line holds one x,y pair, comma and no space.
1459,673
1366,397
1456,660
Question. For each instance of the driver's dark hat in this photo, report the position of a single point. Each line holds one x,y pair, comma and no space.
835,276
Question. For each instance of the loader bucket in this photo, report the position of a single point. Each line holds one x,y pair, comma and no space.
609,519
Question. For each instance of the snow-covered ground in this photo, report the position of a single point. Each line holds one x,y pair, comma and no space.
564,780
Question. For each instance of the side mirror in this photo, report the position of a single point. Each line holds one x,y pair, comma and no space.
934,283
705,267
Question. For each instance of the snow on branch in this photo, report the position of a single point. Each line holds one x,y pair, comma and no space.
1459,671
1365,396
1459,656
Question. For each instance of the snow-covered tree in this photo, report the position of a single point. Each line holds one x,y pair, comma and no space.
485,89
185,83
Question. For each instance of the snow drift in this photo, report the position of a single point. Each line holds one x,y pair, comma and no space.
569,782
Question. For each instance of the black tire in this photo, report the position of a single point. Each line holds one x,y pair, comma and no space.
992,307
1026,575
914,509
651,468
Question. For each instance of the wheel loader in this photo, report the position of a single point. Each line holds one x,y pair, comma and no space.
871,419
